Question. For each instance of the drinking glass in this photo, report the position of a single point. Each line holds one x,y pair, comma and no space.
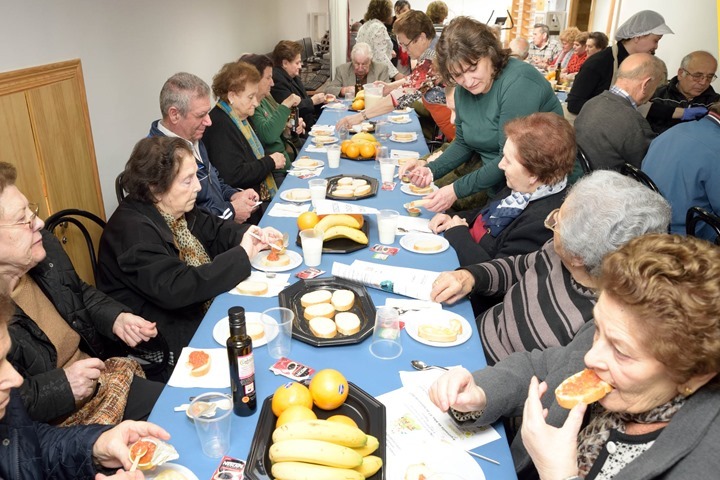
381,152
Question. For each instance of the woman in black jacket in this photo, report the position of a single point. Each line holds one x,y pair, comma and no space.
163,256
538,155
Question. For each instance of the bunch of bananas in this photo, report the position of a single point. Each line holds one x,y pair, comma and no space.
323,450
342,225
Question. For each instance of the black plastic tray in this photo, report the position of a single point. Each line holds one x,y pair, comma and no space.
364,308
367,412
340,245
332,183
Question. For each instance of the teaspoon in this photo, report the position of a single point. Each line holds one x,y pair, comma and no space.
420,365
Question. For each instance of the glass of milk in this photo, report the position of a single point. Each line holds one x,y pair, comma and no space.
311,241
333,156
387,224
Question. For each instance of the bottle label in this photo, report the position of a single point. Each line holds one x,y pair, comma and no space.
246,372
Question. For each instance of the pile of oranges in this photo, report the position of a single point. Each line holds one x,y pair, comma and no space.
360,145
294,401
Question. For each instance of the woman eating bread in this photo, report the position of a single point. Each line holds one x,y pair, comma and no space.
655,342
541,299
538,156
160,254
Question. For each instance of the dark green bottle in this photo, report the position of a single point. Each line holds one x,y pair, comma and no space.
242,364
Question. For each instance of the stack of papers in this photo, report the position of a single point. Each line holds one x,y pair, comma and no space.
409,282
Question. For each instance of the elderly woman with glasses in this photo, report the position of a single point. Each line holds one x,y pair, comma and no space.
161,254
655,340
549,294
65,332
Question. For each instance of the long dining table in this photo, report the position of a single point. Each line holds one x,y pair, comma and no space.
371,374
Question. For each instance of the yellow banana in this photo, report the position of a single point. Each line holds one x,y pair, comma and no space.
342,231
338,433
364,136
315,451
371,445
337,219
307,471
371,464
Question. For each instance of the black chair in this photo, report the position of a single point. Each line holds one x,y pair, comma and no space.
634,172
153,356
696,215
119,190
583,160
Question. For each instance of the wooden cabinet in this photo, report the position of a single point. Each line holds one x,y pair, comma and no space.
45,132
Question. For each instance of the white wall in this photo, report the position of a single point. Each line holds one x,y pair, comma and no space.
128,48
479,10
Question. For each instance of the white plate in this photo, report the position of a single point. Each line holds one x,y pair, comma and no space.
318,164
405,188
438,457
399,119
256,262
324,139
413,320
328,130
286,195
409,240
394,139
401,111
165,467
335,106
221,330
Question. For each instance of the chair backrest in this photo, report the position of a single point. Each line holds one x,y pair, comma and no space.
642,177
696,215
119,190
73,215
583,160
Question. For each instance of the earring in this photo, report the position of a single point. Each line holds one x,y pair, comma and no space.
230,102
688,391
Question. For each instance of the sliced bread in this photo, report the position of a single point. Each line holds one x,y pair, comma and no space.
343,300
347,323
316,296
255,330
252,287
322,327
319,310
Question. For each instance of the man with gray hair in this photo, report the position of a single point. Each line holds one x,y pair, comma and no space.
185,107
549,294
688,95
519,48
543,51
362,69
609,129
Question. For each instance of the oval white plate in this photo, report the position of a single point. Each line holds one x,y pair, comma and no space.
408,242
221,330
286,195
399,119
256,262
392,138
318,164
438,457
405,188
324,139
401,111
186,472
413,320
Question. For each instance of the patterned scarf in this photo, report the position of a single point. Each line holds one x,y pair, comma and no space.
268,187
593,437
191,250
501,213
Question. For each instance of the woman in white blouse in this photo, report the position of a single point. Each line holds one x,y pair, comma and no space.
374,32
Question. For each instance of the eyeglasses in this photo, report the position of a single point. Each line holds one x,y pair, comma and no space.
697,76
551,221
33,207
406,45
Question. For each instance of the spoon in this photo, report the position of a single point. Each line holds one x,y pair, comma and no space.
420,365
142,450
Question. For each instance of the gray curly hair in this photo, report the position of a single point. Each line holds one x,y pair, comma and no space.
605,210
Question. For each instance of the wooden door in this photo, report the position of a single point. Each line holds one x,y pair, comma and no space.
45,122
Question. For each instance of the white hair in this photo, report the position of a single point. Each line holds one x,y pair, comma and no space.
363,49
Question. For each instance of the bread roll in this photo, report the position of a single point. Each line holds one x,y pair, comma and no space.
314,297
255,330
359,182
343,300
362,190
322,327
319,310
437,333
344,192
283,259
347,323
421,190
299,194
252,287
429,245
345,181
305,162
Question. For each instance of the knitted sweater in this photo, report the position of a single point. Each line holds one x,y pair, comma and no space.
269,122
518,91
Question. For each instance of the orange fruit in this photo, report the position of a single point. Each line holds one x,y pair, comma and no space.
367,150
329,389
352,151
343,419
344,145
307,220
289,394
294,413
358,104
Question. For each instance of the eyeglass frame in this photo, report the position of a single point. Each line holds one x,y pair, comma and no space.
34,209
406,46
546,222
698,76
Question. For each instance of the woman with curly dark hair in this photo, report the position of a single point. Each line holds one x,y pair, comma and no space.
492,89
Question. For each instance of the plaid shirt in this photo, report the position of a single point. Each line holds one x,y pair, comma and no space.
548,53
622,93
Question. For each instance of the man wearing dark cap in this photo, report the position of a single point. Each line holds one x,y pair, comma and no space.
641,33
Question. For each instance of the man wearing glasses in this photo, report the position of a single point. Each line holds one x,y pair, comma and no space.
361,70
687,96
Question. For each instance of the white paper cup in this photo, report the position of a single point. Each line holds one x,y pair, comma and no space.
387,224
278,323
213,431
386,334
312,245
333,156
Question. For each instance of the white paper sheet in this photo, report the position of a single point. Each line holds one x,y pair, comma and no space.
288,210
410,282
412,224
275,285
328,207
394,153
217,377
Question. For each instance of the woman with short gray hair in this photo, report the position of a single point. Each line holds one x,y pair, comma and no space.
549,294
